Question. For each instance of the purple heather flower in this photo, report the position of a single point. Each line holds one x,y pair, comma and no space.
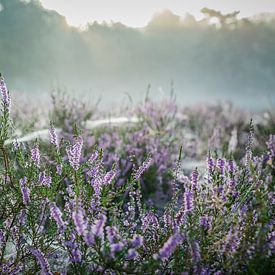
98,226
145,165
231,243
221,165
271,242
76,255
271,145
231,166
210,164
232,183
116,247
79,221
53,136
169,247
188,202
112,234
57,215
94,157
194,179
41,259
149,220
97,186
74,153
5,94
2,237
96,230
205,222
25,190
59,169
35,155
132,254
22,216
248,149
109,177
137,241
16,145
196,252
44,179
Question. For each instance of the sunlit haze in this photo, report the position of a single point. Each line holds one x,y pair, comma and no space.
138,13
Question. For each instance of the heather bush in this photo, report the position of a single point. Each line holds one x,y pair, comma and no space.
63,209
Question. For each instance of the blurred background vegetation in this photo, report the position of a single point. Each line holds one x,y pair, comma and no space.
217,58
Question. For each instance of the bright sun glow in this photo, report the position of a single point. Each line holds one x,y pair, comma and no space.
137,13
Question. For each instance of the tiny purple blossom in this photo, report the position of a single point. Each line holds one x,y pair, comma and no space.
53,136
74,152
169,247
144,166
206,221
96,230
98,226
210,164
196,252
35,155
41,259
221,165
271,145
188,202
94,157
112,234
231,166
194,179
79,221
109,177
25,190
137,241
5,94
76,255
116,247
59,169
132,254
57,215
44,179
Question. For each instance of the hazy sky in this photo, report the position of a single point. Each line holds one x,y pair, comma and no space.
137,13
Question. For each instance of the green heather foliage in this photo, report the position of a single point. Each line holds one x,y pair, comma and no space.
119,200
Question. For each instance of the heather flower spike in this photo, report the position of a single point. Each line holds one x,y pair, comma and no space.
78,217
57,216
169,247
5,94
25,191
35,155
53,135
42,261
145,165
74,152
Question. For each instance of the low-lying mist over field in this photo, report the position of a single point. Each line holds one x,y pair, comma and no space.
214,59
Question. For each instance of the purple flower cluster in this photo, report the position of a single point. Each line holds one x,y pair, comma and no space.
42,261
97,231
74,152
25,190
53,136
44,179
188,202
169,247
145,165
35,155
56,214
78,217
5,94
